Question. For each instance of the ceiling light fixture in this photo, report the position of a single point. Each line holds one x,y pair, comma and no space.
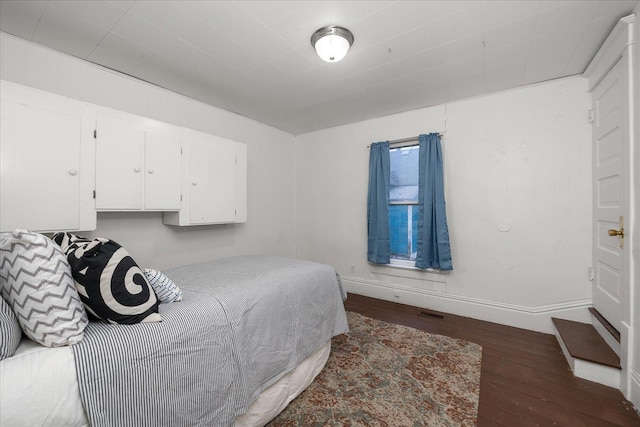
332,42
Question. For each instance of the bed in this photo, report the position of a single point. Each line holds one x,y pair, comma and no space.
249,335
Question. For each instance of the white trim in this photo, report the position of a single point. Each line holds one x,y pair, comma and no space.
611,50
626,345
532,318
633,380
634,389
402,263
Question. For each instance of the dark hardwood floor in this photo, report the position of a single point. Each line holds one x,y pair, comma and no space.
525,380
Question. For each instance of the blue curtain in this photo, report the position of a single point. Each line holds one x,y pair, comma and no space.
433,234
378,246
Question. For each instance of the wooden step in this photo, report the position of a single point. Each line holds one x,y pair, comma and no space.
585,343
605,323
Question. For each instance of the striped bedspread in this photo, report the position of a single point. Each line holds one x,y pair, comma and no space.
243,323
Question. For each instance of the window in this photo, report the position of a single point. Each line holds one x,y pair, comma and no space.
403,204
406,215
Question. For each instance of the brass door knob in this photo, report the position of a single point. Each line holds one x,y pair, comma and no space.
616,232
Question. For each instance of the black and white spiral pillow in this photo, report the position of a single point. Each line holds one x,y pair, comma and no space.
68,241
110,283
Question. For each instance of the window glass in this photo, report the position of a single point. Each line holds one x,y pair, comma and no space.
403,199
403,231
403,186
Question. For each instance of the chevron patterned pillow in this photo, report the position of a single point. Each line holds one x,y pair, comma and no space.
10,332
165,289
35,279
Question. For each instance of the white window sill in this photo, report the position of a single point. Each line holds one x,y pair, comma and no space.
407,277
405,270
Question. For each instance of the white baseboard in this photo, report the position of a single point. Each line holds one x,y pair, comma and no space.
532,318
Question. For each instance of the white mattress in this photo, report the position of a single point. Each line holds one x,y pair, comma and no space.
38,387
275,398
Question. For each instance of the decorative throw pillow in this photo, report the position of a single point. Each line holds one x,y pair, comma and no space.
165,289
10,332
68,241
35,279
110,283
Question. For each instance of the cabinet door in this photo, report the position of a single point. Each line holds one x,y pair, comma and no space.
162,172
40,168
119,166
241,182
212,177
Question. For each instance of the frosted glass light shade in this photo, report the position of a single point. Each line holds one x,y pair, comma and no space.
332,48
332,43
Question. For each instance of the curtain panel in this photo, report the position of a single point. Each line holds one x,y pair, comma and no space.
434,250
378,243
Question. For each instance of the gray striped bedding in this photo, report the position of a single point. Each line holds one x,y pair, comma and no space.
243,323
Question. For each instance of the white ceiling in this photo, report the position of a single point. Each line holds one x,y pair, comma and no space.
255,58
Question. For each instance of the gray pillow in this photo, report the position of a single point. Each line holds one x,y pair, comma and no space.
10,332
35,280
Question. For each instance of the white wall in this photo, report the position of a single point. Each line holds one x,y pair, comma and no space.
519,159
270,159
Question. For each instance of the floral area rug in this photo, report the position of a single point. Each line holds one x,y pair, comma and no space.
381,374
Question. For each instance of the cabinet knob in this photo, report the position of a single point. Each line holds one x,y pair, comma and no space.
194,183
150,171
136,170
73,172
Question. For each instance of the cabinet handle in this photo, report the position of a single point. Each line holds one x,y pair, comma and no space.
73,172
194,183
136,170
150,171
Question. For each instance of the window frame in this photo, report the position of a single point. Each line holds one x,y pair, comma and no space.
395,262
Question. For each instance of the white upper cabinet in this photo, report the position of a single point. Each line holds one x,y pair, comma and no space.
137,163
46,155
241,182
162,172
212,177
62,160
119,163
214,181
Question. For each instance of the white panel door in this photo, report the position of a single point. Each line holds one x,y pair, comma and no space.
40,168
162,172
212,177
119,166
610,195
